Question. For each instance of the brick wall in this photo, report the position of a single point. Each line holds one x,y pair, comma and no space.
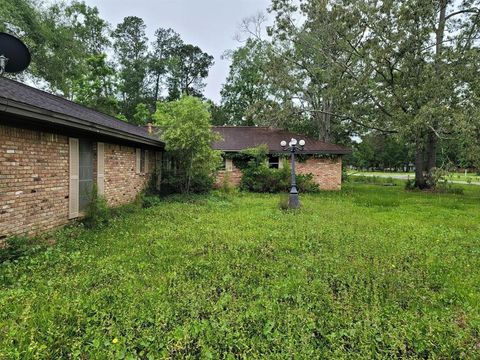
233,177
34,179
122,183
327,172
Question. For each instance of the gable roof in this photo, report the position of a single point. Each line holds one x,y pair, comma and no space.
20,99
237,138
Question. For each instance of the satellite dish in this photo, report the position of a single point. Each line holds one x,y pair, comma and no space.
14,55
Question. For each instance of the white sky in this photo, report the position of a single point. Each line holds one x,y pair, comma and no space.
209,24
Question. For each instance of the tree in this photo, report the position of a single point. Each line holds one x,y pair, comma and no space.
246,87
96,88
130,45
165,46
399,67
142,114
186,130
188,70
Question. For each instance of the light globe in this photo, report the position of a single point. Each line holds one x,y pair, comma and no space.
301,142
283,143
293,141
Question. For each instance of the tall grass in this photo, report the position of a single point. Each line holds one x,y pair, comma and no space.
369,272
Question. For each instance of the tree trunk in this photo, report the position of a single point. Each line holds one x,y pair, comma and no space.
426,156
420,181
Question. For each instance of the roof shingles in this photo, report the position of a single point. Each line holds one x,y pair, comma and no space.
237,138
21,93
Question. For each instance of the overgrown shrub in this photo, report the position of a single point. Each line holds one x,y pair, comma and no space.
98,212
14,248
258,177
187,132
306,183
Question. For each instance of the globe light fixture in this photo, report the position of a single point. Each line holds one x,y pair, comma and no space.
293,147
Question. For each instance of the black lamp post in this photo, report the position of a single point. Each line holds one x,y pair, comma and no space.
293,147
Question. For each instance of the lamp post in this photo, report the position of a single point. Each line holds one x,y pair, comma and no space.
293,147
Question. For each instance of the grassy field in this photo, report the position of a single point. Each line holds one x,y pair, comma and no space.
369,272
469,177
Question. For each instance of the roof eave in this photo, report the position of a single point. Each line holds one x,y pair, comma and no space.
34,113
306,152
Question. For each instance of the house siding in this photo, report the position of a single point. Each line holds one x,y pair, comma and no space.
327,172
34,179
122,182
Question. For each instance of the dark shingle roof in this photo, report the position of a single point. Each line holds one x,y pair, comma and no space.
24,94
236,138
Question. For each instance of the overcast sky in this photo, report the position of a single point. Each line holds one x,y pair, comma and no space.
210,24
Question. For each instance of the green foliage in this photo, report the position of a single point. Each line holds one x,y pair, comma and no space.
362,273
130,45
96,88
258,177
142,114
246,87
14,248
186,130
188,70
98,213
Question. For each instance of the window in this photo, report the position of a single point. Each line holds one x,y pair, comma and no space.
274,162
85,180
142,161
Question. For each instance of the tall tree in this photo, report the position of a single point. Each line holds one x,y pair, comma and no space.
246,86
164,47
130,45
400,67
189,68
97,87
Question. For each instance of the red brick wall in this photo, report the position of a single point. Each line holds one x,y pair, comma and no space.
233,177
122,184
327,172
34,179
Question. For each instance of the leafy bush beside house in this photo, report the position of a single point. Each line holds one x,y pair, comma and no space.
258,177
186,130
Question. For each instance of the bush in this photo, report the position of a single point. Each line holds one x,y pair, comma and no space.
98,212
306,183
14,248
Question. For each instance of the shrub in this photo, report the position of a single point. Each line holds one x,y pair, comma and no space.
186,130
14,248
306,183
98,212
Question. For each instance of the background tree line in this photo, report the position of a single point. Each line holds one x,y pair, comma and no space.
401,76
116,70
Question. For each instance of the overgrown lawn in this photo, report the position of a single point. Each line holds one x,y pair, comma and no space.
369,272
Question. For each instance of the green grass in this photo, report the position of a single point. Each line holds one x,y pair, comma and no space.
369,272
470,177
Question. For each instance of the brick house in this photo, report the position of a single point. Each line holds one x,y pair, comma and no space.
322,159
53,151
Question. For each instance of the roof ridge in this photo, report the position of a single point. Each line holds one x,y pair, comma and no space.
70,101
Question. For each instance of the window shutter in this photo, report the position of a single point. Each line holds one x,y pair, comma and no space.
101,168
73,196
228,165
138,159
146,167
158,169
281,162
